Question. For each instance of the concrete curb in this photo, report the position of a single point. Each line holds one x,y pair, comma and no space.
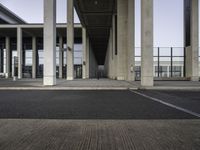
66,88
101,88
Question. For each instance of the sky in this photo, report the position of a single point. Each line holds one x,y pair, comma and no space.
168,18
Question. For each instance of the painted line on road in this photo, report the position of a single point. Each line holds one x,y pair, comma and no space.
167,104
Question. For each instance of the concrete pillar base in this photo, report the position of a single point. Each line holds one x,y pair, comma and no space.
49,81
70,78
194,79
147,82
121,78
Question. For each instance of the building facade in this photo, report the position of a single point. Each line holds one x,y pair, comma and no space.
103,42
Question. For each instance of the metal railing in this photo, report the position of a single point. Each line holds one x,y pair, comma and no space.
168,62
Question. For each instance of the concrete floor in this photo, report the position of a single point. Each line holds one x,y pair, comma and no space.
98,120
91,84
99,135
65,83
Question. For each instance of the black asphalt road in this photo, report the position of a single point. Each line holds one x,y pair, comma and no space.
186,99
83,105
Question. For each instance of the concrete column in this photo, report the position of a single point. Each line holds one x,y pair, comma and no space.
114,48
1,60
147,42
122,19
34,57
49,42
85,63
19,52
8,51
84,41
110,54
60,57
192,52
70,39
131,40
87,57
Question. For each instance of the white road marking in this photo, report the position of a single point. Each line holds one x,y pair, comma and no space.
168,104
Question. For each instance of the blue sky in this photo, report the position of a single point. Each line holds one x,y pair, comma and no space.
168,18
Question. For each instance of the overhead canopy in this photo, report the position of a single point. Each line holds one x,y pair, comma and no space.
96,17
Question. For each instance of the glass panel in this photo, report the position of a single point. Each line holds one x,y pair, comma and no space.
28,60
165,51
137,61
137,51
178,67
178,51
155,51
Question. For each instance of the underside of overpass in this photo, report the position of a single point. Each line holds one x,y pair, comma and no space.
96,17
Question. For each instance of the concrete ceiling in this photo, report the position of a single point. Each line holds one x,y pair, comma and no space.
30,30
96,17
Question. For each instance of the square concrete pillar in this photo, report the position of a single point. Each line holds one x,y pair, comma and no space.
147,42
192,52
114,47
1,60
49,42
19,52
70,39
122,19
60,57
110,55
34,55
131,41
85,63
8,57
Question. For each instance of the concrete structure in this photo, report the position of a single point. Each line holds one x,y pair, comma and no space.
7,57
49,42
192,49
34,57
8,17
19,52
106,35
147,42
70,40
61,57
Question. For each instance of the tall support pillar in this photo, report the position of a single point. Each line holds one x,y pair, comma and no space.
19,52
114,47
34,57
8,51
84,41
60,57
87,57
85,63
122,19
1,60
192,52
70,39
147,42
131,40
49,42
